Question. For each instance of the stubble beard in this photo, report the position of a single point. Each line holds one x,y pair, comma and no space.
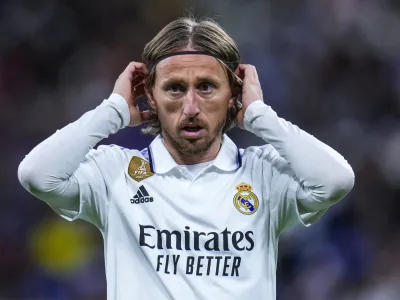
195,148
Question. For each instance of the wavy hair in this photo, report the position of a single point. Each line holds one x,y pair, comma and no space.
203,35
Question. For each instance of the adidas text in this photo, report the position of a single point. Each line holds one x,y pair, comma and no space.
142,200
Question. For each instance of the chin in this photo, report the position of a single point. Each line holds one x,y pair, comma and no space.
193,146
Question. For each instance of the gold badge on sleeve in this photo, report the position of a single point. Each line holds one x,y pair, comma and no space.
245,200
139,169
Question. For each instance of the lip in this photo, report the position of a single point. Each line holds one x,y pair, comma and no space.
193,134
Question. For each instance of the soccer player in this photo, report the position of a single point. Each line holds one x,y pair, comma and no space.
191,216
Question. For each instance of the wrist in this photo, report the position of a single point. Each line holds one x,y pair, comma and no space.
121,106
252,111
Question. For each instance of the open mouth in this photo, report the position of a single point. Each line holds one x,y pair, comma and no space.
192,131
192,128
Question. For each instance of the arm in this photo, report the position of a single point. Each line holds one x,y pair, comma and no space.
63,170
48,170
324,176
305,176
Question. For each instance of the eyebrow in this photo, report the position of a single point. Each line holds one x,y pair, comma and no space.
214,79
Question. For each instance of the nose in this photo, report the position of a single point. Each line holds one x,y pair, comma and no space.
191,104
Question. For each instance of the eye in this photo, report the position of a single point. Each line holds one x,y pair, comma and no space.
175,88
206,87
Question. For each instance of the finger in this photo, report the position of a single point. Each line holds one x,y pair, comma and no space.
250,73
145,71
138,90
255,73
137,80
243,71
132,66
136,68
240,70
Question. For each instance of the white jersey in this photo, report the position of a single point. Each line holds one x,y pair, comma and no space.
171,235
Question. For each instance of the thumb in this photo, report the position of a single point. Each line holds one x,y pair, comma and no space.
240,119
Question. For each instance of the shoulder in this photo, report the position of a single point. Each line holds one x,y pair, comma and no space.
112,154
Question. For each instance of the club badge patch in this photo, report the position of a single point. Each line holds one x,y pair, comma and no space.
245,200
139,169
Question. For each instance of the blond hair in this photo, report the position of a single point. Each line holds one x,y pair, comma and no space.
205,35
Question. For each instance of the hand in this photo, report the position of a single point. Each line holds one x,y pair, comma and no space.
130,86
251,89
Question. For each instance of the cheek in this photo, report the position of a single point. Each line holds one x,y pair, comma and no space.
168,111
217,106
173,107
164,104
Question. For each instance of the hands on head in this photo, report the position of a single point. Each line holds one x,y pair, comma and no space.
251,89
131,85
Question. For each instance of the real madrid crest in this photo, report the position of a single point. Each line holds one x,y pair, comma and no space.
139,169
245,200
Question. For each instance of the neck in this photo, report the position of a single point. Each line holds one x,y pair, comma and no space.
187,159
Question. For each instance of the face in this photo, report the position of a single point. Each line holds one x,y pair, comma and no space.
191,96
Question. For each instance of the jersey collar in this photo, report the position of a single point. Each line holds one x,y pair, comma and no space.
161,161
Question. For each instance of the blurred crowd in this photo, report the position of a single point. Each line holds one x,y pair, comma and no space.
332,67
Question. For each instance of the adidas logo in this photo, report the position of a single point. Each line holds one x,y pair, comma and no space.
142,196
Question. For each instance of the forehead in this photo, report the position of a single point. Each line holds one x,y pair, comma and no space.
189,65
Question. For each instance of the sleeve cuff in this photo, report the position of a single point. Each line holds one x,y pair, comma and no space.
121,106
252,111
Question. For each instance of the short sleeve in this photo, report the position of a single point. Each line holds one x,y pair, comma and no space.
286,192
93,187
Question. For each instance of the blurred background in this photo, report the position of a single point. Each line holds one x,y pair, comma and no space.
330,66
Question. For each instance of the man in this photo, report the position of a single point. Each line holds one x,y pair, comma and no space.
191,216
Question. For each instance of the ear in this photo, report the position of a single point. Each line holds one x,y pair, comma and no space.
149,95
231,101
235,96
